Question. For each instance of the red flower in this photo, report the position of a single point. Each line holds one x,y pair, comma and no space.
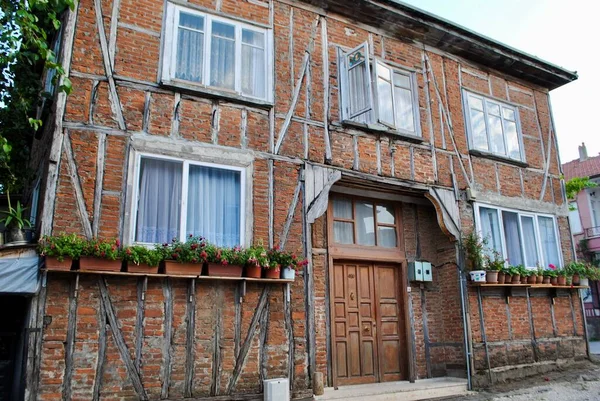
551,266
224,262
276,247
174,255
191,235
165,244
117,243
194,260
103,254
194,246
128,251
203,254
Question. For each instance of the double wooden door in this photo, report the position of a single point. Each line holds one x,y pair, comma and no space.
368,331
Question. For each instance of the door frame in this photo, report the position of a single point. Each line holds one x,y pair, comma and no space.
338,252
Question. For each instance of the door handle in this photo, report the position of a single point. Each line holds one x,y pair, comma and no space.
352,296
367,329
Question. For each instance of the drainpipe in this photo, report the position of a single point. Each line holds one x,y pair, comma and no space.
462,282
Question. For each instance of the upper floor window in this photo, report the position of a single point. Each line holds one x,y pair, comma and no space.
388,97
493,127
177,197
522,238
360,222
574,219
594,197
216,52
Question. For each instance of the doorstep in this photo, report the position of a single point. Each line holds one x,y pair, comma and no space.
402,390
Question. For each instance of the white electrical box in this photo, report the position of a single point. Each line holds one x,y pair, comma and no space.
276,390
420,271
427,271
415,271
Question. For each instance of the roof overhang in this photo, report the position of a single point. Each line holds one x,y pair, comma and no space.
409,23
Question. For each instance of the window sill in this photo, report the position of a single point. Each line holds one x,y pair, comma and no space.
492,156
215,93
381,129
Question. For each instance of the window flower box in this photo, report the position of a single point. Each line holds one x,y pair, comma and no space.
175,268
92,263
224,270
53,263
141,268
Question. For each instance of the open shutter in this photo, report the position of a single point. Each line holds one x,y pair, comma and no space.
356,96
384,94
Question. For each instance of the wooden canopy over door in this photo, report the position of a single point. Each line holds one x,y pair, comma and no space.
368,323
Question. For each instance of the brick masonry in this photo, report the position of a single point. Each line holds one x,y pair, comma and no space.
150,111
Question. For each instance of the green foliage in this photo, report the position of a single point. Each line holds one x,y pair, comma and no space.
495,263
193,250
61,246
257,256
514,270
138,254
576,268
550,273
281,259
15,217
104,249
576,185
592,272
28,31
474,249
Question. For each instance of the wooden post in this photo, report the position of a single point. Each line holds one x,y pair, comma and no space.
190,349
34,351
101,349
289,331
426,334
216,365
142,285
531,326
168,338
483,336
264,355
83,214
70,344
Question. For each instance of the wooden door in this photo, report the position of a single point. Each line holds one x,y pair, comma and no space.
367,323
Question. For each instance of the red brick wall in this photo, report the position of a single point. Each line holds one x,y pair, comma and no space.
149,110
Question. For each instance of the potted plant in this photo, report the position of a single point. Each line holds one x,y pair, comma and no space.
100,255
549,275
60,250
515,273
277,259
225,262
576,269
184,258
562,277
540,275
474,247
494,267
591,273
141,259
507,275
257,260
15,223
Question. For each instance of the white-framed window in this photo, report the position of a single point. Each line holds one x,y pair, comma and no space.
387,97
176,197
594,197
493,126
574,218
521,238
217,53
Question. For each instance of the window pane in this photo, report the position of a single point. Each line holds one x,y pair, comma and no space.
512,237
385,215
530,242
253,71
404,110
358,91
475,103
343,232
214,203
493,109
478,130
401,80
365,228
508,114
385,102
222,55
190,47
512,140
253,38
490,229
386,237
549,241
496,137
574,219
159,201
342,208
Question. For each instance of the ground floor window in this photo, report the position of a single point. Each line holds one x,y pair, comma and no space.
178,197
521,238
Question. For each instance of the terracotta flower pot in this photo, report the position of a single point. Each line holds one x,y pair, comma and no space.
253,271
539,279
491,277
507,279
141,268
546,280
274,273
52,263
516,279
219,270
562,280
182,269
554,280
524,279
576,279
531,279
90,263
501,277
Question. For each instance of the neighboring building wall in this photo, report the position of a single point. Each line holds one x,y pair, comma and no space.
186,123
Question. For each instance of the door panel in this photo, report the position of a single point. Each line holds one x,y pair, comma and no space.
367,323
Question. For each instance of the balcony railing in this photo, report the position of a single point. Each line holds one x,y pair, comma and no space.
592,232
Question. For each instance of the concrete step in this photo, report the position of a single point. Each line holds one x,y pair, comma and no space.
395,391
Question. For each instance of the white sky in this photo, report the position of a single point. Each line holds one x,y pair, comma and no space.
564,33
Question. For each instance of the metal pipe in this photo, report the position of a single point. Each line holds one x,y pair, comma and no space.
462,282
483,336
585,332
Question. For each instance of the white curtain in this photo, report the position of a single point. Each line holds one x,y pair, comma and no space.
365,224
529,242
343,232
385,99
159,201
222,55
190,47
490,229
513,238
214,202
549,241
253,63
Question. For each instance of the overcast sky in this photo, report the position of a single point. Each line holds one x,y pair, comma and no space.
564,33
